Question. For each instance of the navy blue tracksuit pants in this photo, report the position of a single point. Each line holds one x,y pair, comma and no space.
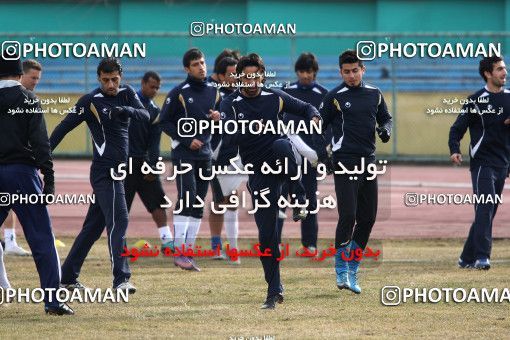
109,209
35,221
193,184
487,181
357,209
309,227
267,218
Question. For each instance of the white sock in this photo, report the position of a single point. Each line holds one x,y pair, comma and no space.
10,237
180,228
194,227
165,234
232,227
4,282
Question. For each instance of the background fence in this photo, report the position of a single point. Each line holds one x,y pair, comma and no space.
411,85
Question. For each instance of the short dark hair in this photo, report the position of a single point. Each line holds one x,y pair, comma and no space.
252,59
190,55
235,54
306,61
31,64
224,63
151,74
109,65
349,57
487,65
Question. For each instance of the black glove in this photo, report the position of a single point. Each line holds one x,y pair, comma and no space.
383,134
49,185
118,112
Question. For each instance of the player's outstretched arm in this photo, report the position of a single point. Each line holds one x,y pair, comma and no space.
154,141
136,110
458,130
384,120
227,113
327,111
71,121
295,106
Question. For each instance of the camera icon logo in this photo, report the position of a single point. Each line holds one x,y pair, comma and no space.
11,50
365,50
411,199
197,29
187,127
5,199
391,296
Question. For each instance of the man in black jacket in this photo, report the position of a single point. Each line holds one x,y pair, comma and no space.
25,148
253,104
144,140
353,109
190,102
485,115
107,110
32,70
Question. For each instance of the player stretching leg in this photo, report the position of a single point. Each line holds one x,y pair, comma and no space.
252,103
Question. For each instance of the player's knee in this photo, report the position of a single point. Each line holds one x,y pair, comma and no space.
281,147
